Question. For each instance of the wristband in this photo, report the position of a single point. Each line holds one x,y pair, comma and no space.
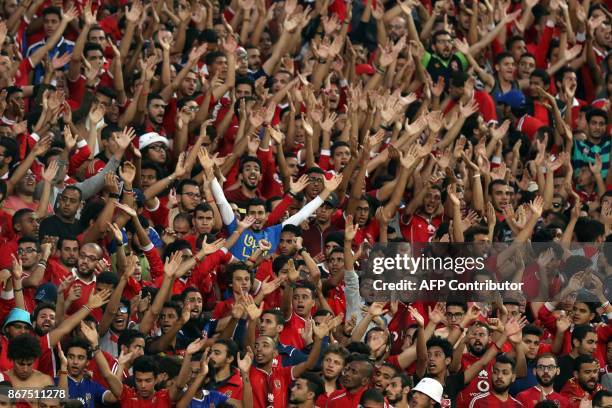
17,290
606,304
87,307
95,349
379,69
62,372
322,61
114,195
128,190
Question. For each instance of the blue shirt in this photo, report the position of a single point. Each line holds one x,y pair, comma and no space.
87,391
62,47
248,242
210,397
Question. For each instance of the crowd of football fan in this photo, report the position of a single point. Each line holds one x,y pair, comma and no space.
190,189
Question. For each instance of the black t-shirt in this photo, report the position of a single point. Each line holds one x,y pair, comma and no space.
53,226
566,368
453,384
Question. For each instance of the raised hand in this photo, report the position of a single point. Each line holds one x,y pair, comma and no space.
172,264
50,172
211,248
116,231
296,187
126,209
417,316
252,309
91,335
332,184
124,138
244,363
350,229
99,299
377,309
195,346
127,172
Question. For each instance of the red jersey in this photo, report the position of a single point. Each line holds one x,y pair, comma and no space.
418,228
232,387
290,335
325,400
479,385
129,399
574,392
349,400
488,400
271,389
531,396
87,288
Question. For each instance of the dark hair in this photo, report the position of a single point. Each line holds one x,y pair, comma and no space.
24,347
542,74
176,246
186,182
211,57
278,315
245,80
588,230
79,343
149,165
19,214
231,269
436,34
39,307
232,349
154,96
504,54
533,330
336,349
436,341
127,337
462,305
306,285
505,359
599,396
295,229
248,159
372,394
169,365
29,240
593,112
90,46
256,202
52,10
75,188
314,383
547,355
561,73
12,149
580,332
546,404
145,364
202,207
583,359
109,278
338,145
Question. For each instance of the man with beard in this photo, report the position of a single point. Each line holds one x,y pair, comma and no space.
334,360
546,370
355,379
585,151
80,386
321,225
306,390
421,225
397,391
533,348
499,397
59,268
32,264
270,381
271,324
248,242
478,341
249,182
224,375
156,109
584,342
580,389
383,375
85,275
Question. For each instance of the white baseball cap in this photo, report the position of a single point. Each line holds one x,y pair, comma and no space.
150,138
430,387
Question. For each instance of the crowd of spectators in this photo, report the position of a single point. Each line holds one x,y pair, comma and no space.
190,190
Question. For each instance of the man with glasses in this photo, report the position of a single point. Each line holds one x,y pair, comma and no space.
154,147
546,370
188,196
34,264
85,275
